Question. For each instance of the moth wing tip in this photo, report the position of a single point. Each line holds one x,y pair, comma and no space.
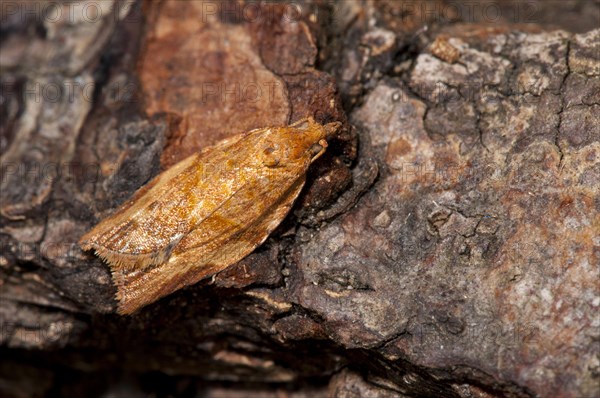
89,240
85,244
129,301
123,308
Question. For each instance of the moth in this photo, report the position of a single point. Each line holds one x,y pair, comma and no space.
206,212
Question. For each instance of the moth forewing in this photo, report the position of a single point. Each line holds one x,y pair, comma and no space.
123,239
196,263
206,212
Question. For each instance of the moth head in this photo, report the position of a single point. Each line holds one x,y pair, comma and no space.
303,141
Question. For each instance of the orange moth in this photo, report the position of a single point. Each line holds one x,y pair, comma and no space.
206,212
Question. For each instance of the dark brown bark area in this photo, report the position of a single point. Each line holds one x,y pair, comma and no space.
446,246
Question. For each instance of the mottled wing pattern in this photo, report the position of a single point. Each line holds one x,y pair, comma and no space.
216,244
206,212
129,238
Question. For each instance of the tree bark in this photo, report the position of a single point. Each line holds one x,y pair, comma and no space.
446,245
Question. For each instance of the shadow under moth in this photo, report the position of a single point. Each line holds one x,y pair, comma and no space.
206,212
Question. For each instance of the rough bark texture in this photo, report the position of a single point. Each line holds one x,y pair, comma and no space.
446,246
